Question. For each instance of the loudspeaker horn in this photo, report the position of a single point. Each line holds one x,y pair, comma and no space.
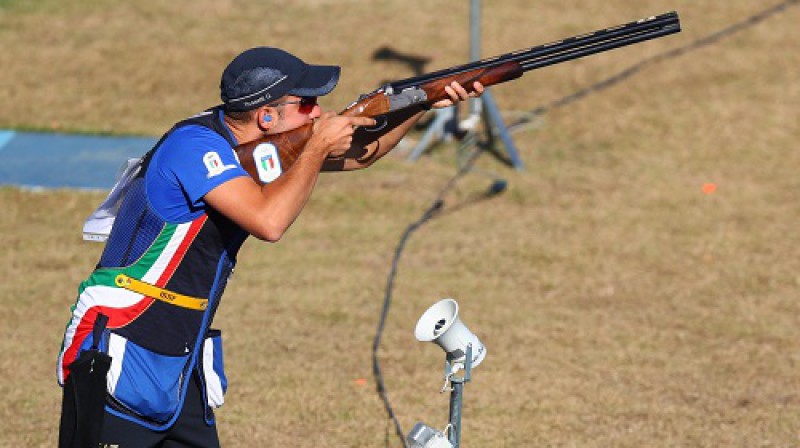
441,325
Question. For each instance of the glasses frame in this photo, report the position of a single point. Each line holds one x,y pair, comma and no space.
306,104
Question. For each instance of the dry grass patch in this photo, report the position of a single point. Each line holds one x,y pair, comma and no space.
621,306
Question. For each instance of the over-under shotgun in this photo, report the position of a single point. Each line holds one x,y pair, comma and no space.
429,88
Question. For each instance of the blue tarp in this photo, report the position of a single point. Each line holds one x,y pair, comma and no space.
36,159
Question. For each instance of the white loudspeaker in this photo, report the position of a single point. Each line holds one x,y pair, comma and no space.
440,324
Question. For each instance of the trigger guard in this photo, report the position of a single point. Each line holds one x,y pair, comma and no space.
382,121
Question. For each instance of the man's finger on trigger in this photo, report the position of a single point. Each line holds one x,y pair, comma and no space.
363,121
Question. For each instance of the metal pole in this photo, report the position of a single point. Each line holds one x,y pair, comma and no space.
457,397
475,46
456,401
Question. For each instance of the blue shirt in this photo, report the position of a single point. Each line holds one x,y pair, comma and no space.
190,162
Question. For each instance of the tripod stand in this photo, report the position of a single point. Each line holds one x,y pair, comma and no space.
445,124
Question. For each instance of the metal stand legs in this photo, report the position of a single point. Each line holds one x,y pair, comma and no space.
445,125
442,127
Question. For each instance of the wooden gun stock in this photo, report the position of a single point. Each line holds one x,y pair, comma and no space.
429,88
508,71
281,149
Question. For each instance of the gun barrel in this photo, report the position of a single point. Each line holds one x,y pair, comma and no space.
563,50
589,47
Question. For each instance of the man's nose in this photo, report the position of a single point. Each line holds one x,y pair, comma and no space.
316,112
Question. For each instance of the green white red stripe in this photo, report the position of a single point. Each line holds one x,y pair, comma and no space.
99,294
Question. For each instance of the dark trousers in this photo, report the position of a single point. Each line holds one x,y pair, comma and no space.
190,430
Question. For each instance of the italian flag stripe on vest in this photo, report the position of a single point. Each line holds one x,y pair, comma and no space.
99,293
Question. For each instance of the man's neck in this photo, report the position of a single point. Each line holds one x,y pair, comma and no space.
243,132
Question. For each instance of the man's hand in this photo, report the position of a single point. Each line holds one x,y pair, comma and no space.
333,134
458,93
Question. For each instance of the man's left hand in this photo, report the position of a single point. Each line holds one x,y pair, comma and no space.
458,93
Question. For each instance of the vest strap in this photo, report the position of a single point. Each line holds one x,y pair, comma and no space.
158,293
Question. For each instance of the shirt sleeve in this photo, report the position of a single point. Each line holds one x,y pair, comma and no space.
191,161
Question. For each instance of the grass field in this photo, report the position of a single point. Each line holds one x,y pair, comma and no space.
621,305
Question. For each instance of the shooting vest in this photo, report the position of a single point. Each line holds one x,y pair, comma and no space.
160,284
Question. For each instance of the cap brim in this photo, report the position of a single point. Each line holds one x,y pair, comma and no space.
318,81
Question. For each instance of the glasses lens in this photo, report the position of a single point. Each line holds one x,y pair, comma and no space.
307,104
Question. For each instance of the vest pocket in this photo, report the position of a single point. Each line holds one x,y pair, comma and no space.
145,382
214,369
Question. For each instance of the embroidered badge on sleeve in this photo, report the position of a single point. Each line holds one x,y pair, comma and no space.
214,164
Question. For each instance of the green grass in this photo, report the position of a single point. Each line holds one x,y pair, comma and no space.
621,306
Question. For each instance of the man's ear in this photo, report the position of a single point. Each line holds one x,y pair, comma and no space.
265,118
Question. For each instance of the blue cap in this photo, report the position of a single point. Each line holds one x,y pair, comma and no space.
261,75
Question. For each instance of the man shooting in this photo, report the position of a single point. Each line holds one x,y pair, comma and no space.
150,302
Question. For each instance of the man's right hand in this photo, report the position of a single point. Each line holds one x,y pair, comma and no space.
333,134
